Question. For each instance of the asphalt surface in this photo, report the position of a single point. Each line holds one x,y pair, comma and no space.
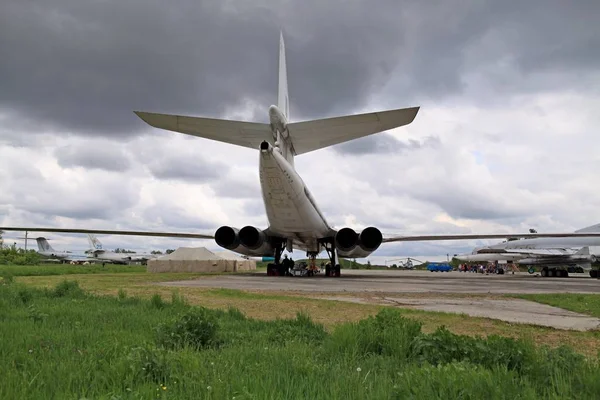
403,282
394,288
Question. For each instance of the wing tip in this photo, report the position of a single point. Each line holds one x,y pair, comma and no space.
416,111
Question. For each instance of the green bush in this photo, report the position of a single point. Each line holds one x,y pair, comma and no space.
301,329
14,255
444,347
197,328
67,289
388,333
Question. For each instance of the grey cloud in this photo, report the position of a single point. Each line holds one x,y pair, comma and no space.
172,216
383,143
98,196
186,167
94,205
103,156
85,67
237,188
460,200
255,209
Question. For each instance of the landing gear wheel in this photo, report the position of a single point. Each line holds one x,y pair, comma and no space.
277,268
594,273
544,272
551,273
332,269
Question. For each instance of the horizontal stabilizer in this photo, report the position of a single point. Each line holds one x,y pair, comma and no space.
246,134
320,133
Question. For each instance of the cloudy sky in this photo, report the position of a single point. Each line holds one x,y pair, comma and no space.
506,138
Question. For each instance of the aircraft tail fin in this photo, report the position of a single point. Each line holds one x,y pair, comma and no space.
94,242
283,101
584,251
43,244
590,229
306,136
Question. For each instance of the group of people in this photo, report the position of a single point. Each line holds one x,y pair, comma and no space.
489,268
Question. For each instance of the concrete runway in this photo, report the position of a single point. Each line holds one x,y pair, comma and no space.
403,282
393,288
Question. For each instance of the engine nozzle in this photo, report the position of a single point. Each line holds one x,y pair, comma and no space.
227,237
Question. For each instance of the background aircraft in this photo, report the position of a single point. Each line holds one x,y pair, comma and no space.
98,252
553,254
46,250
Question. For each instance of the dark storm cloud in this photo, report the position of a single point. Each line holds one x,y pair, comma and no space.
186,167
108,158
382,143
85,66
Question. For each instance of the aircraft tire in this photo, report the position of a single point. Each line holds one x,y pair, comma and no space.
338,271
544,272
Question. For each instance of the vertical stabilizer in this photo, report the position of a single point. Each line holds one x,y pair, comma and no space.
94,242
589,229
283,101
584,251
43,244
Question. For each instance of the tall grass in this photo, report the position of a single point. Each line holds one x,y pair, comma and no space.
65,343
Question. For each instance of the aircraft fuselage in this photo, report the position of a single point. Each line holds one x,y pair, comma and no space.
291,209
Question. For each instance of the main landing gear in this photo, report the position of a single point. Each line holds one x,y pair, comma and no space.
282,268
278,268
332,269
554,273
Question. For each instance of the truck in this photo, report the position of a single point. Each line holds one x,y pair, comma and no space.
439,267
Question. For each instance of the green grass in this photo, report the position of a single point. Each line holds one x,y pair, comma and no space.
62,342
582,303
67,269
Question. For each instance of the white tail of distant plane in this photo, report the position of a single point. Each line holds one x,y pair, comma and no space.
43,245
94,242
590,229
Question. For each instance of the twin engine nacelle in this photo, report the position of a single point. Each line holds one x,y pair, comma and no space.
351,244
249,240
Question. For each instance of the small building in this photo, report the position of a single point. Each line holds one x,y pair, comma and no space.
200,259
